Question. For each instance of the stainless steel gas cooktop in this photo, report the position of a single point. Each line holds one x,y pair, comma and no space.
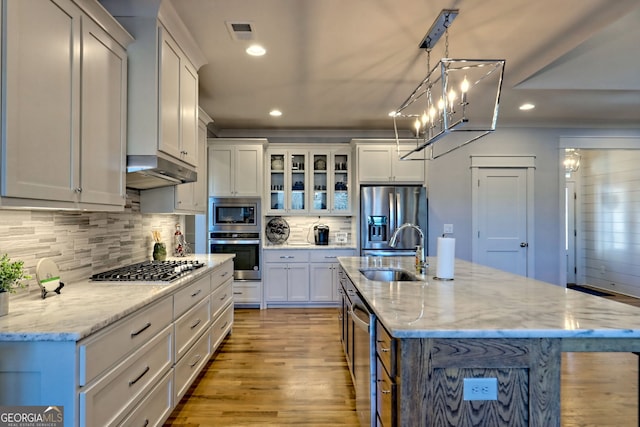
149,271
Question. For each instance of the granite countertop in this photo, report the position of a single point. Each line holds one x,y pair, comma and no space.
482,302
85,307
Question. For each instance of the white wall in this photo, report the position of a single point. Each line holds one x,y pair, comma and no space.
609,229
449,184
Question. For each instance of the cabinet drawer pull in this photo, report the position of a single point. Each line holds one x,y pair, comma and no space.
385,350
195,294
197,359
237,293
286,256
141,330
225,325
331,257
224,297
224,274
146,423
139,377
195,324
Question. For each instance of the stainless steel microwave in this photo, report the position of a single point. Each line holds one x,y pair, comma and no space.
234,214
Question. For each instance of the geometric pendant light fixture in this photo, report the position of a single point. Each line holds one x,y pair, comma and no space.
455,104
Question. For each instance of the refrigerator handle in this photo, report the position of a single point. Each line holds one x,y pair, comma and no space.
392,214
399,219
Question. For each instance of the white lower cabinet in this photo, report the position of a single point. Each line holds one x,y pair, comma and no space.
302,277
191,325
286,276
247,293
106,401
221,327
155,407
190,365
133,372
324,273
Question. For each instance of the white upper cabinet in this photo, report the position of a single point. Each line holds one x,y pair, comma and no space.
163,80
235,167
307,180
178,102
378,162
331,182
189,198
64,106
287,185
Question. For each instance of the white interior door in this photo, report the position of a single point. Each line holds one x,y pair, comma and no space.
501,219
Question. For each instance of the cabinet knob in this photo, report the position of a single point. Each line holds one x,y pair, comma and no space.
78,190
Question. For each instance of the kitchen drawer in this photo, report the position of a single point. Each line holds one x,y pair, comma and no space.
247,292
277,255
385,396
329,255
221,297
107,400
190,366
221,327
191,295
221,274
386,349
191,325
102,350
155,408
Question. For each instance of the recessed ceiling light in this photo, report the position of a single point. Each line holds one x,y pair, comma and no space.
256,50
527,106
275,113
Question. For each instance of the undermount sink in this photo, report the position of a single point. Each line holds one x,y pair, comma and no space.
390,275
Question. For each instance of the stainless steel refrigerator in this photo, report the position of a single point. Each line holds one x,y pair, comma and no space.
385,208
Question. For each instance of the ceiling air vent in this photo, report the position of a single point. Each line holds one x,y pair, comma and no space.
241,31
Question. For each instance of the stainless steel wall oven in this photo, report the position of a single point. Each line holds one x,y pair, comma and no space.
234,228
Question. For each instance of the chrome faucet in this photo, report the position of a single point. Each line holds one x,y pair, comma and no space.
393,241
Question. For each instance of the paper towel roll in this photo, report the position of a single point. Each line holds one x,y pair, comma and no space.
446,255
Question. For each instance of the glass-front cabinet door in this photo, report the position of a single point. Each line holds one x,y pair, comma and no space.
331,182
277,182
341,183
287,182
321,182
298,182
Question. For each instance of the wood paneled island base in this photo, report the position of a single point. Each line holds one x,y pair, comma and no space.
431,374
484,324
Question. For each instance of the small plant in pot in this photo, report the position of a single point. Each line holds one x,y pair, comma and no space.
11,275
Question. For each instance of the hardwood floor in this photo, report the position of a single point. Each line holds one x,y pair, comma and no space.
278,367
286,367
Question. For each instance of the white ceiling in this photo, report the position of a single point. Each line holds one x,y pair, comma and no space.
344,64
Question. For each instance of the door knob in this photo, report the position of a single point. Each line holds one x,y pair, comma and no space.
524,245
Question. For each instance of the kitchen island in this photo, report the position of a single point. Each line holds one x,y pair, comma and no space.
108,353
432,335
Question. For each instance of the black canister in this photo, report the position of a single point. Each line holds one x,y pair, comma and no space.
321,234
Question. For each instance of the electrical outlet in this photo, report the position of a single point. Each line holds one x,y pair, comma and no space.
480,389
448,229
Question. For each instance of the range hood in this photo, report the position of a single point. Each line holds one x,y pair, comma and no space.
153,171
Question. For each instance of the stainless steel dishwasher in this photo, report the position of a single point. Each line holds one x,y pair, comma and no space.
364,361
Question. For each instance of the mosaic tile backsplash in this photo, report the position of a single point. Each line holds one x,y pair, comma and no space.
83,243
301,228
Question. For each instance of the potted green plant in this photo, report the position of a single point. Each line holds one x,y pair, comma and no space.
11,275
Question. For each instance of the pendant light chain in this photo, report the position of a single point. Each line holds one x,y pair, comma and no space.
446,36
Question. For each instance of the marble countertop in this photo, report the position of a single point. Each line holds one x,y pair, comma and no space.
85,307
305,245
482,302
